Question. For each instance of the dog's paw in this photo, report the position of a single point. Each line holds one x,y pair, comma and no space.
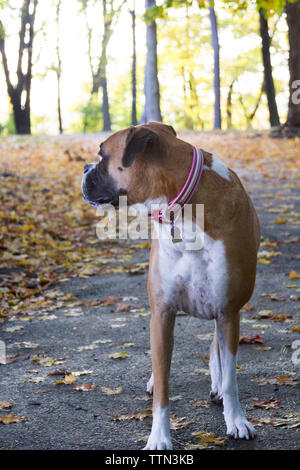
240,428
216,398
150,384
159,441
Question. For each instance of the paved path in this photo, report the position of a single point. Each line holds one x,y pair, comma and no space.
82,337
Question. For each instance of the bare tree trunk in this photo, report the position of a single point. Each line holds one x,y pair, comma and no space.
105,104
293,20
20,93
152,96
229,105
99,77
133,72
107,21
268,76
58,68
216,48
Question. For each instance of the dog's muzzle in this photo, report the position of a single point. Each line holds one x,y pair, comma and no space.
98,188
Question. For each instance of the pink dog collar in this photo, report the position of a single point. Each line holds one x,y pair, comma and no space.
188,189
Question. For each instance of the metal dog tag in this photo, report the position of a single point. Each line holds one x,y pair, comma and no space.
175,233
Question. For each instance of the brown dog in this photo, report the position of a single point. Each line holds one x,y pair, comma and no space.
149,164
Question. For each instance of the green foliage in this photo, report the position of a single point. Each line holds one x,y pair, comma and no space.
177,3
2,31
271,7
91,115
151,14
8,128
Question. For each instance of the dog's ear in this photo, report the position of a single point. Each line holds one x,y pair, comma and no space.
171,128
140,141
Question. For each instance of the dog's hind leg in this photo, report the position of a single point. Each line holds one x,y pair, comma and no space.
150,384
215,371
228,338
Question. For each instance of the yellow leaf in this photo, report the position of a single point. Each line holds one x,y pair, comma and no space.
280,221
265,261
143,245
294,275
207,438
69,379
119,355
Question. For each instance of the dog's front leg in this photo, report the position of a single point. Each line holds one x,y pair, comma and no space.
162,327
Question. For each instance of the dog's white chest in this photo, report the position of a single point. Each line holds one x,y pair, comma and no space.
194,281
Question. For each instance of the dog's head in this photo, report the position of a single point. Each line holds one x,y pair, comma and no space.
131,163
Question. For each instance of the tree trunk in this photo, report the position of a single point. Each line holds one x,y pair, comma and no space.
99,78
152,97
21,115
293,20
216,48
20,93
268,77
105,104
107,21
229,105
133,72
58,69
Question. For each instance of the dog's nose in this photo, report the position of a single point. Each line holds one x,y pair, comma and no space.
86,168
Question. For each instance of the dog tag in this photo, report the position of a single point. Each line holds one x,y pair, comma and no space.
175,233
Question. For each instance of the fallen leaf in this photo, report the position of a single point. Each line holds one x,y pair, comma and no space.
69,379
265,313
119,355
10,418
251,339
178,423
121,307
280,221
205,439
248,308
291,420
137,415
268,404
273,297
85,388
110,391
294,275
296,328
202,403
281,380
265,261
6,405
110,301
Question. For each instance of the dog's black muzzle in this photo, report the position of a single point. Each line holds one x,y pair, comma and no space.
98,187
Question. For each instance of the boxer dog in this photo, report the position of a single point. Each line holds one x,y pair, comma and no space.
149,163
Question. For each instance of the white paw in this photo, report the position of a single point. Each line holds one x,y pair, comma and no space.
159,441
240,428
160,438
150,384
